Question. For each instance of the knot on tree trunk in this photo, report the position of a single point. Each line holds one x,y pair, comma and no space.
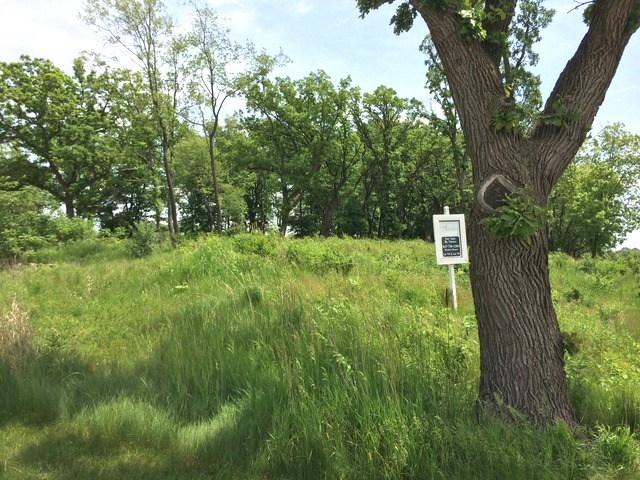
494,190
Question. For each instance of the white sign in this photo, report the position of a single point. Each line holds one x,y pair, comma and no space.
451,239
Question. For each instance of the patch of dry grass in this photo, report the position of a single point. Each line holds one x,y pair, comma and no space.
16,337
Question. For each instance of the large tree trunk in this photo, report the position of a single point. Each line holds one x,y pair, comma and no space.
522,368
521,353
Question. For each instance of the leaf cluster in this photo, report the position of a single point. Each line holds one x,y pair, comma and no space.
472,14
562,115
406,13
519,217
506,120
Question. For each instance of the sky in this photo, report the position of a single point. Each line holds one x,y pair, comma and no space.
327,35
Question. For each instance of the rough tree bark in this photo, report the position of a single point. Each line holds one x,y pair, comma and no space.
522,366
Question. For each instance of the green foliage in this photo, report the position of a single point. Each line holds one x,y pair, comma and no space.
596,202
31,222
314,156
472,14
401,154
561,115
506,120
587,14
519,217
64,134
402,20
193,176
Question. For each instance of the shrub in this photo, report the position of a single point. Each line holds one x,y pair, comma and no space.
31,220
254,243
573,295
144,240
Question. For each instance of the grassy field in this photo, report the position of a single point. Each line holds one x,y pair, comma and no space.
254,357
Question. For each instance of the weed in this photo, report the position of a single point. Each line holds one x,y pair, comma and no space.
573,295
617,446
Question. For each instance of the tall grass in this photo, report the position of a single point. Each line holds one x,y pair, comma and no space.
262,357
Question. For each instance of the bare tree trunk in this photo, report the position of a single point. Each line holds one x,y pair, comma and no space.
172,219
285,211
214,173
69,206
326,218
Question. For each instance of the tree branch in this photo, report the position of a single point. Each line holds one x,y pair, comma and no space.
582,85
499,14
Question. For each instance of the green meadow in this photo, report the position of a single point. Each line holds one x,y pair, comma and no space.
259,357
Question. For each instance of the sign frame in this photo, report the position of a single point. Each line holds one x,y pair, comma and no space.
450,237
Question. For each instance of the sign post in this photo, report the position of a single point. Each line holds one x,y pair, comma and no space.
450,238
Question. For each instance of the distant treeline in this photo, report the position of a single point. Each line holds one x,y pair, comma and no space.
307,157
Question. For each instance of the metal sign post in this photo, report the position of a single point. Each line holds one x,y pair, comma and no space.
451,245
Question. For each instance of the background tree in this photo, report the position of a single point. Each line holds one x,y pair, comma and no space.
249,170
144,29
596,202
427,179
62,131
193,177
135,187
216,74
333,148
299,121
383,121
521,358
